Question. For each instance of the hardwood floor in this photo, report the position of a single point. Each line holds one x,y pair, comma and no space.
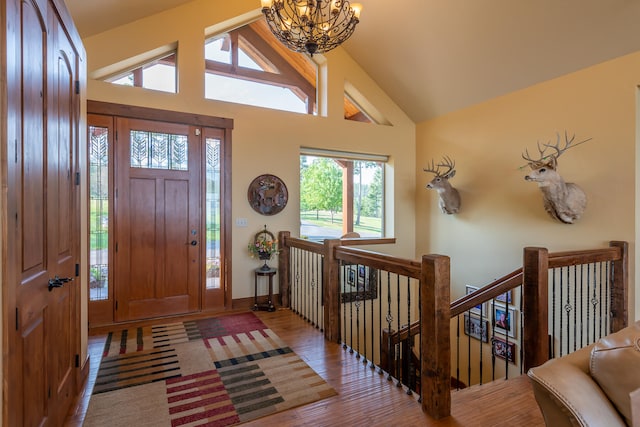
365,398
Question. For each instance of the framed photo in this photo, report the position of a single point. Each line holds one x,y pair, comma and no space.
503,349
351,277
479,309
361,283
504,320
476,328
362,272
506,298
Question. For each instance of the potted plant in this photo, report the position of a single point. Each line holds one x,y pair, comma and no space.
264,246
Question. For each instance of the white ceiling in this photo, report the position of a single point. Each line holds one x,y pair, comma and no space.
436,56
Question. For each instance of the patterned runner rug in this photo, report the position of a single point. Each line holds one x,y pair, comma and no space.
219,371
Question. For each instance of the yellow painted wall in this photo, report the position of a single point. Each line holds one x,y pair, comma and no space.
264,141
501,213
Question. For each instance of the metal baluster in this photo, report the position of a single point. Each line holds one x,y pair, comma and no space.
344,314
608,276
358,303
553,314
594,302
310,288
296,288
520,350
457,351
567,307
379,313
467,326
421,331
364,318
581,306
412,373
561,314
321,293
506,350
389,322
575,307
400,355
602,282
351,317
374,296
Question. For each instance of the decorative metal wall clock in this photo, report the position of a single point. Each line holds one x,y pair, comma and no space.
267,194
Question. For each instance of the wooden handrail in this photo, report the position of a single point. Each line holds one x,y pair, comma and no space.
404,267
565,259
490,291
304,244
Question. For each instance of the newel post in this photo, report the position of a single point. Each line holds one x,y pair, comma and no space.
331,291
620,288
284,278
535,307
435,338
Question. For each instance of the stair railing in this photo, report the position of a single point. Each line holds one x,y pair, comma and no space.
315,279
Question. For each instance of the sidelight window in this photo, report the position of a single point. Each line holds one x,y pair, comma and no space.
212,212
99,213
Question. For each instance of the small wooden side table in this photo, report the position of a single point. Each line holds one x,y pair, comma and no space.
269,273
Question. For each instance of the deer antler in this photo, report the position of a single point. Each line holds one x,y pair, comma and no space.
567,144
433,168
530,160
447,163
536,163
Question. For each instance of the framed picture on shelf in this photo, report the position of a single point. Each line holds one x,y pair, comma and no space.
504,320
503,349
476,328
506,298
479,309
360,283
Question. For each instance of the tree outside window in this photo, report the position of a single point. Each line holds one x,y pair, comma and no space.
338,196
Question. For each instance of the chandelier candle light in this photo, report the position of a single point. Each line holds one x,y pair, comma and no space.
312,26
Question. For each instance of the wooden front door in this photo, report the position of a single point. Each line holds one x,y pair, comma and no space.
43,245
157,219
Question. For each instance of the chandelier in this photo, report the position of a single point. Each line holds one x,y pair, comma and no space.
312,26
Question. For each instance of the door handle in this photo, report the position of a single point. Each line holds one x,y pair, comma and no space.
57,282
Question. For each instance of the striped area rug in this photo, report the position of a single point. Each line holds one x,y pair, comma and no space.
214,372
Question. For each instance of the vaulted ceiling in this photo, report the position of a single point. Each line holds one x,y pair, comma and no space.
436,56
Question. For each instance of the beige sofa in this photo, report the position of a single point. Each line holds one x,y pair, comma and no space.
592,386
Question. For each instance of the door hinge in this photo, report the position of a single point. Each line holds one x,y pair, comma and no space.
77,83
77,360
15,151
116,247
17,319
49,393
77,178
77,270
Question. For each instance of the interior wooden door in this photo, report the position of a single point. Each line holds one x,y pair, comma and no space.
157,219
45,247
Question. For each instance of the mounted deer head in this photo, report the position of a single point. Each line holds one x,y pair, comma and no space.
449,197
564,201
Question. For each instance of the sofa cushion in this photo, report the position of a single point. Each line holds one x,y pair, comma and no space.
615,366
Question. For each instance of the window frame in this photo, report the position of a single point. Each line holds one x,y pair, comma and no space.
346,160
255,43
